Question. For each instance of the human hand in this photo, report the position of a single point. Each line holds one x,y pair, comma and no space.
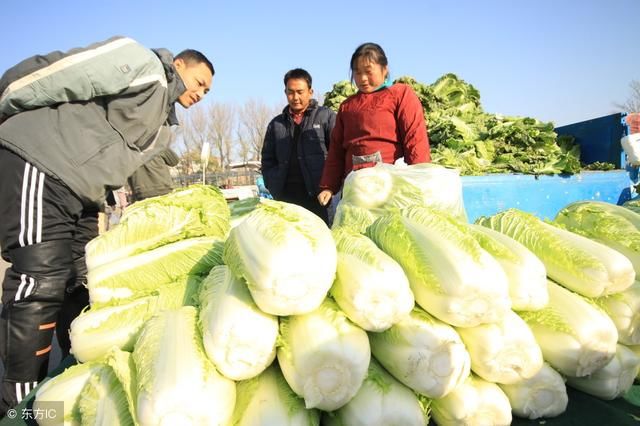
324,197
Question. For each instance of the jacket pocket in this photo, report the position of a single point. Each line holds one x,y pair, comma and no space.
85,131
93,149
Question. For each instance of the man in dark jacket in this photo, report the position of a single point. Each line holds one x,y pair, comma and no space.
296,144
72,126
154,177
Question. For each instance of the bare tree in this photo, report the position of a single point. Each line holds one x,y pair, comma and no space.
221,118
632,104
195,124
243,145
254,118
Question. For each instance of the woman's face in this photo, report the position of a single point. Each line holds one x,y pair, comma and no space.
368,75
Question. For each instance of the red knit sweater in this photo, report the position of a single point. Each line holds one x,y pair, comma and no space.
389,121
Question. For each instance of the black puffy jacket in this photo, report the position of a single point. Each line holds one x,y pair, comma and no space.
316,125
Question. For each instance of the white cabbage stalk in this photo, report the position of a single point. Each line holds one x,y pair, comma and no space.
526,274
370,287
194,211
287,256
238,337
451,276
381,401
267,400
543,395
323,356
107,398
576,337
387,187
503,352
64,388
614,379
576,262
368,188
624,309
609,224
96,331
423,353
474,402
143,273
177,384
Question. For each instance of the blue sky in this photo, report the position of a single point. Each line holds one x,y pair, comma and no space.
557,60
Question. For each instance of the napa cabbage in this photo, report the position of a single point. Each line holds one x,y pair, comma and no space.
576,262
543,395
423,353
96,331
452,277
176,382
194,211
576,337
324,357
381,401
238,337
370,287
287,256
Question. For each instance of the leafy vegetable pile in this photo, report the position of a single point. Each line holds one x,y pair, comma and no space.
464,136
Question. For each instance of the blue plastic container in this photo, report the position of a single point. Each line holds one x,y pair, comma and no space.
543,196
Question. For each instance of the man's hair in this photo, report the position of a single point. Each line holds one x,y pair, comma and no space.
191,57
297,73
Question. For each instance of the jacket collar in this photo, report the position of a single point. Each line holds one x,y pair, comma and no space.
313,104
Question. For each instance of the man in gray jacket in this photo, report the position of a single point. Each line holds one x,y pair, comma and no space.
72,125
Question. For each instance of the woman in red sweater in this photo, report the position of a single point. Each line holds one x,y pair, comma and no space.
379,124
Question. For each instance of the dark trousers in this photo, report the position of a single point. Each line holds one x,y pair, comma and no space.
43,230
299,195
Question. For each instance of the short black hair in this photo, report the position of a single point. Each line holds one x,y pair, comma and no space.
191,56
297,73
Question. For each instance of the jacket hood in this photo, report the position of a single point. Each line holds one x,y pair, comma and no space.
175,85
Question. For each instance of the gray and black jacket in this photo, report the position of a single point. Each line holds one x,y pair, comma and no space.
312,150
154,177
90,117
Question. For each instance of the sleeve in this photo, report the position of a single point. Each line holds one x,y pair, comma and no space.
269,160
413,128
102,69
333,170
329,125
170,158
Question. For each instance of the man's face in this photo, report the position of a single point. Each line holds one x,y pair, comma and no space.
197,78
298,94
